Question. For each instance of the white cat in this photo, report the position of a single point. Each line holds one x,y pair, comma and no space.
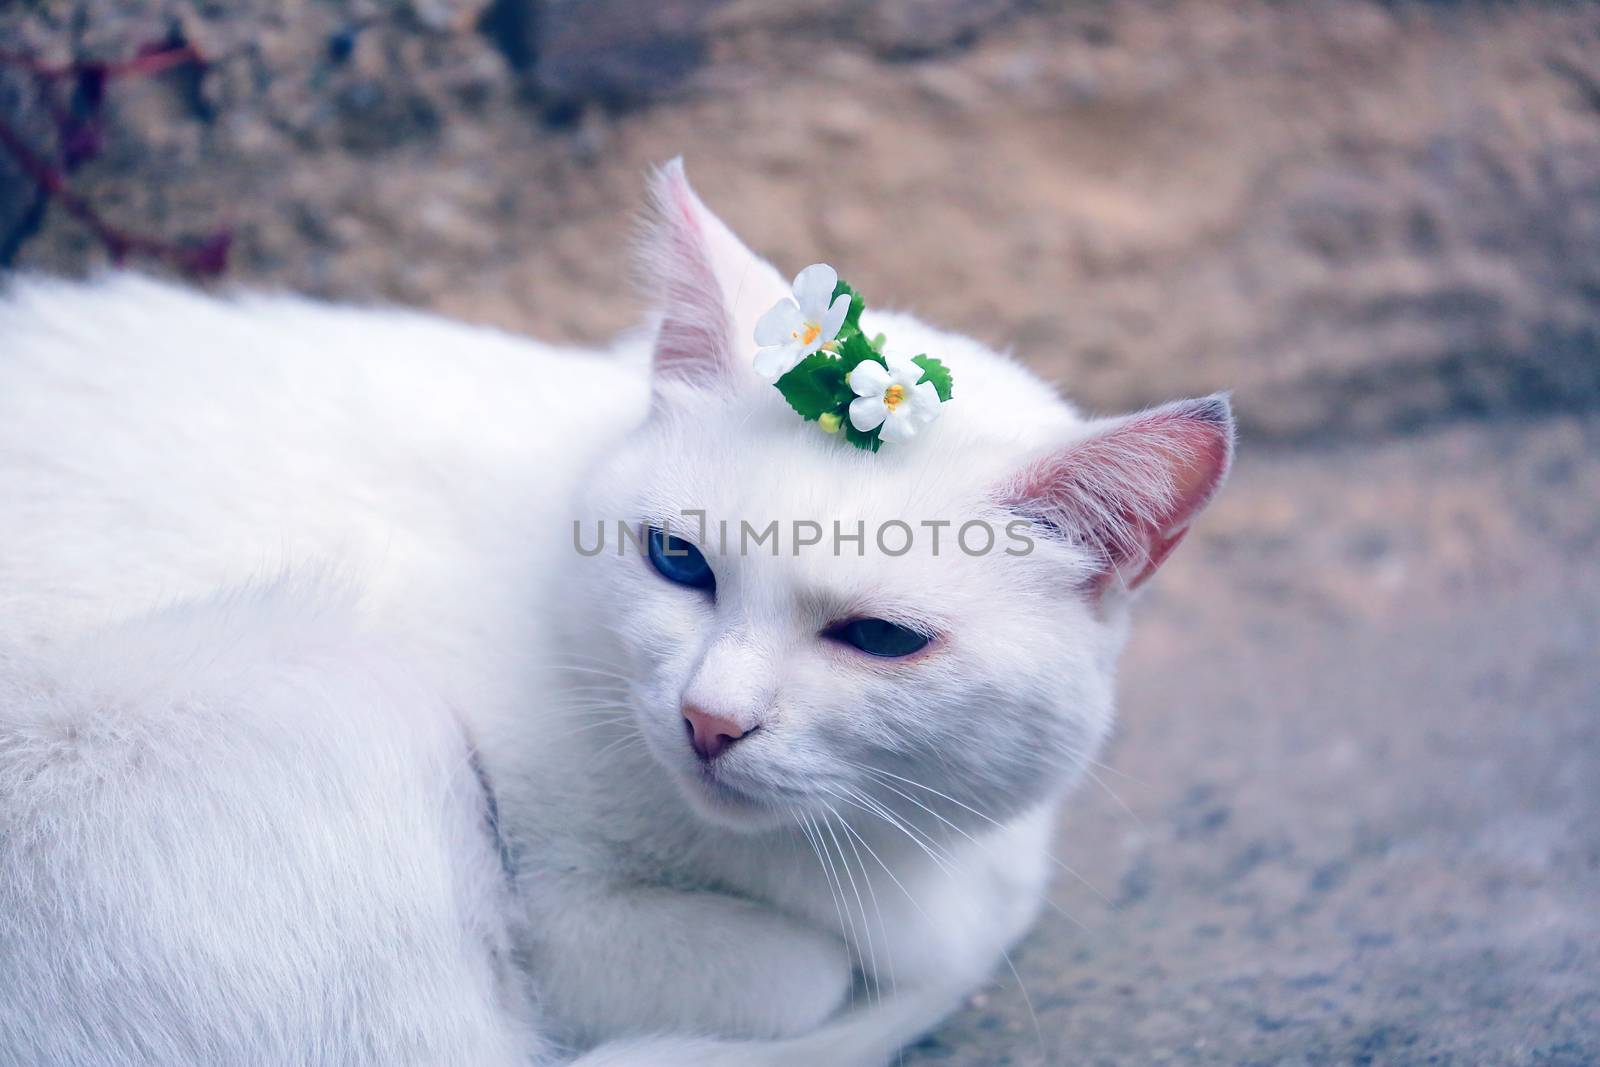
323,742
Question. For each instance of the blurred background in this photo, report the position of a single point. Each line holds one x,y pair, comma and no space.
1353,813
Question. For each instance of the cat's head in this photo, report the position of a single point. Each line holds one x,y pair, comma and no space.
960,653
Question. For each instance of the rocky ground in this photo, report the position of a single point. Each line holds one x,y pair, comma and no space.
1356,792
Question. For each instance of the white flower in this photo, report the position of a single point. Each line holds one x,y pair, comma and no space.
892,398
799,325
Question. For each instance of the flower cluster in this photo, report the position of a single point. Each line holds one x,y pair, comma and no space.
813,350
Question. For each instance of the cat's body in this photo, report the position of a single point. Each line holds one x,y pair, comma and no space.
290,604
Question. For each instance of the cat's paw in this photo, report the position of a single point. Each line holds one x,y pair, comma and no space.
664,961
966,919
804,983
754,973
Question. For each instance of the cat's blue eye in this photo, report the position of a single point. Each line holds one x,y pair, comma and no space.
879,637
678,561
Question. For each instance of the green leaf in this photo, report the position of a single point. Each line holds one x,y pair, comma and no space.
868,441
815,386
878,342
854,350
935,372
858,304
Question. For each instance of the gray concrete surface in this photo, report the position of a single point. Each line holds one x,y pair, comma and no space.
1356,810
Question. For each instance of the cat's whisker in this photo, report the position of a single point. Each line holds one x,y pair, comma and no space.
935,848
629,741
803,821
581,712
617,689
589,712
912,832
587,703
945,796
846,923
591,715
1051,856
990,853
866,925
861,800
576,655
584,687
1113,794
589,697
1054,905
852,837
812,836
910,822
581,664
1080,754
888,947
626,749
1021,985
851,796
584,669
852,935
613,721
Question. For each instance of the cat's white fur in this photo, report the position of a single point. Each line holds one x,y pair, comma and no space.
272,571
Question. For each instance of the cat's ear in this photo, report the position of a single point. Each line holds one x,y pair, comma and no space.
709,289
1130,487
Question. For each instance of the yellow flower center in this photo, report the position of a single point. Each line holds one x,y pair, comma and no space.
808,333
894,396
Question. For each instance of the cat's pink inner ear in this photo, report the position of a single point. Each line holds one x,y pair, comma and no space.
708,287
694,337
1129,490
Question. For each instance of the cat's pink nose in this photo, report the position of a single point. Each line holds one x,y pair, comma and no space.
710,734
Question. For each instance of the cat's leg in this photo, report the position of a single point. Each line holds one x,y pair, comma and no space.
955,920
651,960
940,933
643,960
865,1037
236,832
616,961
